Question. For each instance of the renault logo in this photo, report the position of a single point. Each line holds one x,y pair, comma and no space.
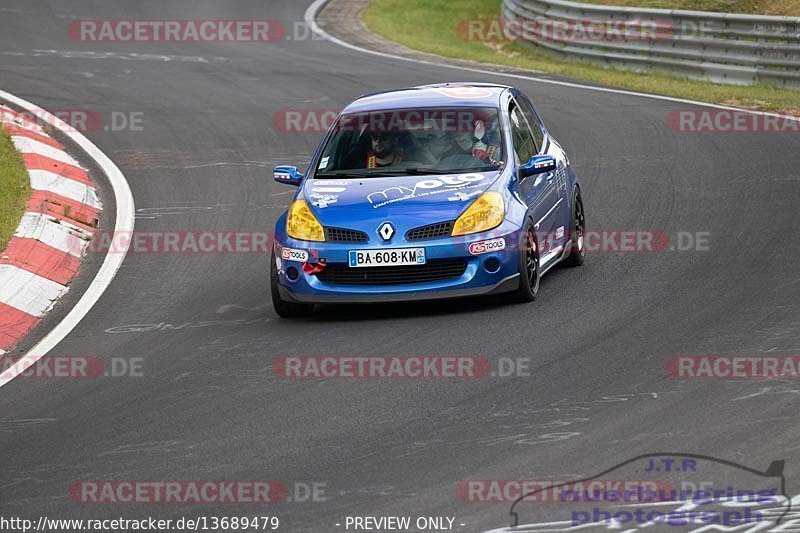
386,231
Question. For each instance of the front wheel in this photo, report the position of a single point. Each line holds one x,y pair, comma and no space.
282,307
577,233
529,272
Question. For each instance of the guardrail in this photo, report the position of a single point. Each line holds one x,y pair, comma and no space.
721,47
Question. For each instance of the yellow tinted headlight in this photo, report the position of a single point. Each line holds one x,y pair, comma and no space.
302,224
484,214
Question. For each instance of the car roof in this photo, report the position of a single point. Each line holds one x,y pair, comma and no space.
437,95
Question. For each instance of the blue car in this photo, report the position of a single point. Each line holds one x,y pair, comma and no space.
430,192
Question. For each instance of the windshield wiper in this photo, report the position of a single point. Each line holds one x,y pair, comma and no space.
378,173
412,171
339,174
470,169
415,171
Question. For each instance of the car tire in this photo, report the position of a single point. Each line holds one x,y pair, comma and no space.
577,233
282,307
529,271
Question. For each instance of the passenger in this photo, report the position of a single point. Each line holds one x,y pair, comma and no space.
486,141
482,144
442,146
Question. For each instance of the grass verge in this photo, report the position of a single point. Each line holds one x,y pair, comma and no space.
15,188
430,26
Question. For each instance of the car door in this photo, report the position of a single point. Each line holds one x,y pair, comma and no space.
538,191
557,178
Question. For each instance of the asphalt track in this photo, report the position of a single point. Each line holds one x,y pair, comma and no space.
208,406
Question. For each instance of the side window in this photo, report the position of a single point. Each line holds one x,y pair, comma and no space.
533,122
521,136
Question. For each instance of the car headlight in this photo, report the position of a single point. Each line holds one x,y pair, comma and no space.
302,224
484,214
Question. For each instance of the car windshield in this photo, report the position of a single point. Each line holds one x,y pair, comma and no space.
413,141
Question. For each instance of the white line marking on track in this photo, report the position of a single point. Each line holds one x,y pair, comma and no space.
310,19
124,56
112,262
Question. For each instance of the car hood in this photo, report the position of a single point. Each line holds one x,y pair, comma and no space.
409,200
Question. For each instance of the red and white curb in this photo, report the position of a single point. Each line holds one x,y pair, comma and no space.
43,255
61,216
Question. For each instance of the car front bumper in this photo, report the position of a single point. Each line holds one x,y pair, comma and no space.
480,277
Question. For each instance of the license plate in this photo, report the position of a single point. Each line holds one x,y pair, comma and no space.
388,257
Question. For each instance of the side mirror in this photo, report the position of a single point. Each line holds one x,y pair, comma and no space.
288,174
537,164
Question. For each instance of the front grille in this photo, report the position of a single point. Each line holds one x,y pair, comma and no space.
431,231
341,274
345,235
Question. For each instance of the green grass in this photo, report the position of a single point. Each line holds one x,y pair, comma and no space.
14,188
753,7
431,26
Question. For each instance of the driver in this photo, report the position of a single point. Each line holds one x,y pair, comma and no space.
386,150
